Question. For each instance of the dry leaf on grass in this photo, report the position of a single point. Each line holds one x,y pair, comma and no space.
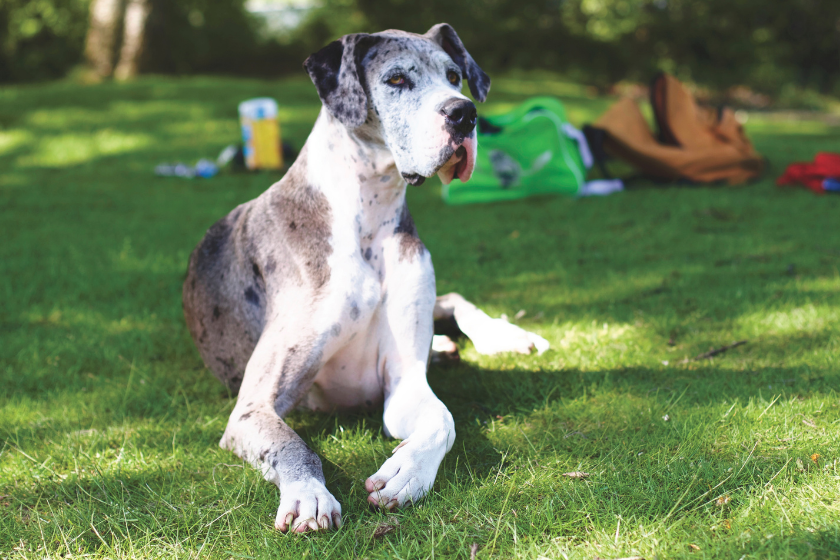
723,500
386,528
815,457
694,547
473,550
576,474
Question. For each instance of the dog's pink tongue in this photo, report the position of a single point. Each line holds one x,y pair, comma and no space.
464,167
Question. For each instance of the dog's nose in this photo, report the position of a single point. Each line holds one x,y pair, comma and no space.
460,115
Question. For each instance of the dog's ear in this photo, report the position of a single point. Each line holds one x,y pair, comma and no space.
338,76
445,36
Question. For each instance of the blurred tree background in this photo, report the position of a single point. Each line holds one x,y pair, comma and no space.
770,46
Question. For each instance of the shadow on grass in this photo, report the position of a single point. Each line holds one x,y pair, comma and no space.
512,425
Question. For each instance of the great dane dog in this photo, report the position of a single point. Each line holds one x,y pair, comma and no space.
319,294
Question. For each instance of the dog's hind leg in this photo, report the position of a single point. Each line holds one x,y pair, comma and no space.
278,374
488,335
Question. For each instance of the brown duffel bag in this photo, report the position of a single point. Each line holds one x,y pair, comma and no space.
695,143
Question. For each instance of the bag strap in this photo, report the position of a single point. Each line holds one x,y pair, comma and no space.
595,138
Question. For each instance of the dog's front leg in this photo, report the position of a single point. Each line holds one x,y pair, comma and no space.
412,411
278,374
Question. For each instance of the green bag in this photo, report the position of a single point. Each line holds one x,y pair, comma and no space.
522,153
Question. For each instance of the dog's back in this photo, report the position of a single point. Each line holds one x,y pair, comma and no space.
224,305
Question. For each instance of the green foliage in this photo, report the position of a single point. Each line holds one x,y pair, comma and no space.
768,45
759,43
109,423
41,39
211,36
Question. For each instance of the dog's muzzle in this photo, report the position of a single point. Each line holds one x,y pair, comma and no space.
460,116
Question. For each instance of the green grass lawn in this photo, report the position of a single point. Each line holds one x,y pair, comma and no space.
109,422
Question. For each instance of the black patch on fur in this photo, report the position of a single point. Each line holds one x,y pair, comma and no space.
410,244
336,70
354,311
215,239
229,372
251,296
323,68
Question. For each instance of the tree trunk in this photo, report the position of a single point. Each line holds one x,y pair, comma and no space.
134,32
105,16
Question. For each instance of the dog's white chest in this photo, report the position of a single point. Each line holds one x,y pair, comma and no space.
353,377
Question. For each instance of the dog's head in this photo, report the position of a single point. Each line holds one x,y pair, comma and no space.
404,90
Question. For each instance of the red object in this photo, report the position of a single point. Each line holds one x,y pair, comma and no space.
812,175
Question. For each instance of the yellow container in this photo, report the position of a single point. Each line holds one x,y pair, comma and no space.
261,133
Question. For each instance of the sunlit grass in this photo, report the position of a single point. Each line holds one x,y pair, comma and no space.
109,423
63,150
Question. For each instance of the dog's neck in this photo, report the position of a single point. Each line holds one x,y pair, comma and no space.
355,169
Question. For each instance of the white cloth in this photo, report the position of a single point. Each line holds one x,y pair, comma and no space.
601,187
583,145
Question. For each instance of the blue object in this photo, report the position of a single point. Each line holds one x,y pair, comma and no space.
203,169
831,184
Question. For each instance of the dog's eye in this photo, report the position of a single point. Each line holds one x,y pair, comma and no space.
453,77
396,80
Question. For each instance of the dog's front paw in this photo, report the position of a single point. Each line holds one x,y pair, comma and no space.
404,478
495,336
307,506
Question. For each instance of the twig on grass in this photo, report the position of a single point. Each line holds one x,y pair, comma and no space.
714,352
